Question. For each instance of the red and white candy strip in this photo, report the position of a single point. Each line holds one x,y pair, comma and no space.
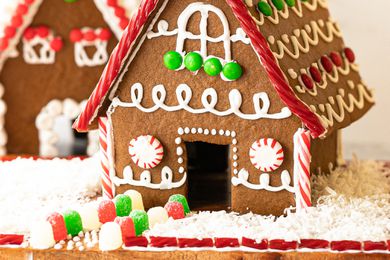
266,154
107,185
302,159
146,151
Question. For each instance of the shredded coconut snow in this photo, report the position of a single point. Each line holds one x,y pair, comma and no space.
31,189
358,208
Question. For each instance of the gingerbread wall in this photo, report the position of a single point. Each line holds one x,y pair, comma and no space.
28,88
148,69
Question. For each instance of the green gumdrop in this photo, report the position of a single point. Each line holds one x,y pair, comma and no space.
173,60
141,221
182,200
264,8
73,222
213,67
290,3
279,4
193,61
123,205
232,71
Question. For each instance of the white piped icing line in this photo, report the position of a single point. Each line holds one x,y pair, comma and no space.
209,101
146,151
3,133
45,122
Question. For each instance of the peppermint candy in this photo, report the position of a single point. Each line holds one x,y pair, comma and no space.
146,151
266,154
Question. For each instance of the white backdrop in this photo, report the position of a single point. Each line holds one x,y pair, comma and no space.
366,28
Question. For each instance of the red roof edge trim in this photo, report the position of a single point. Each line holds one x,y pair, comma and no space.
114,65
278,80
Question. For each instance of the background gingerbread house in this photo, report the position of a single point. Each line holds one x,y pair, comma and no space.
51,55
242,76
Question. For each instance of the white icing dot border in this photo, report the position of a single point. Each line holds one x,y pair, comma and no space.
45,123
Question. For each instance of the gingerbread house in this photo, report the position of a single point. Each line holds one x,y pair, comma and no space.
227,102
51,56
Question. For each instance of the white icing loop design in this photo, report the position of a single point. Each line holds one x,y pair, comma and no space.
145,180
209,100
264,182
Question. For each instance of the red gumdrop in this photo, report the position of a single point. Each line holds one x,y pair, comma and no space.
175,210
350,55
29,2
90,35
112,3
22,9
16,21
3,44
326,64
106,211
123,23
75,35
127,227
315,74
307,81
56,44
9,31
58,225
42,31
120,11
104,35
29,33
336,59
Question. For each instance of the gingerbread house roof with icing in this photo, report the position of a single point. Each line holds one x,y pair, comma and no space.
303,89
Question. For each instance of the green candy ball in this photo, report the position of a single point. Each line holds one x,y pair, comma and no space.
193,61
290,3
279,4
182,200
232,71
73,222
141,221
264,8
173,60
213,67
122,205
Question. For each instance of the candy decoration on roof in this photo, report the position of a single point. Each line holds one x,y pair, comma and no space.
58,225
350,55
302,155
157,215
264,8
110,236
193,61
41,235
73,222
175,209
146,151
107,185
90,217
122,205
213,66
173,60
106,211
182,200
136,199
127,227
141,221
266,154
232,71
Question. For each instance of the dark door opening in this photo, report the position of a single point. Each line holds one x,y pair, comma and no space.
208,176
79,147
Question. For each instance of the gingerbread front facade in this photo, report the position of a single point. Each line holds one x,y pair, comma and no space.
164,99
52,54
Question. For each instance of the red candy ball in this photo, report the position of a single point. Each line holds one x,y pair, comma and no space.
3,44
42,31
22,9
119,11
17,21
106,211
56,44
57,223
315,74
326,64
112,3
104,35
76,35
336,59
90,35
127,226
175,210
29,2
307,81
350,55
123,23
9,31
29,33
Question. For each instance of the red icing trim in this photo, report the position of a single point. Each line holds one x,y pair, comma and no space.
314,243
345,245
163,241
370,245
259,43
280,244
194,242
221,242
263,245
11,239
136,241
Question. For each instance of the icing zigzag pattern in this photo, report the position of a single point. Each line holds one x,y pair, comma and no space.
343,103
285,13
310,36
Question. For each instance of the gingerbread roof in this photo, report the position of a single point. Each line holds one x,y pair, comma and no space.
318,117
113,13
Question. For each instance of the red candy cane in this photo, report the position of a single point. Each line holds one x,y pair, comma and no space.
302,158
107,189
